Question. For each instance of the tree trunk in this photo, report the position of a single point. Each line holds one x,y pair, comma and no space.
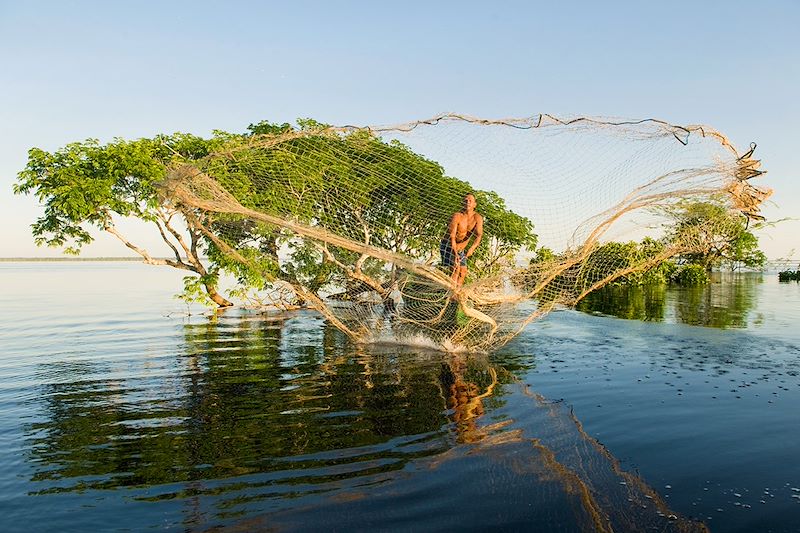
217,297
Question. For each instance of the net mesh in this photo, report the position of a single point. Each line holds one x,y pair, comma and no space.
368,224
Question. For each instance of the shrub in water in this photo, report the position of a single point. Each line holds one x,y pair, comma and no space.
789,275
690,275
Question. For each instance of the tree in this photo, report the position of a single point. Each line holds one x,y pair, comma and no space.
353,185
628,263
89,185
718,235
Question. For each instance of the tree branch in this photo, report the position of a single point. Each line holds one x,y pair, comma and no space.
166,239
355,274
189,253
150,260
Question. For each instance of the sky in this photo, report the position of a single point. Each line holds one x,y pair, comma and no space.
72,70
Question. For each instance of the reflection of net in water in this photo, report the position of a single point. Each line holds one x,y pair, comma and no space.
536,471
352,220
258,415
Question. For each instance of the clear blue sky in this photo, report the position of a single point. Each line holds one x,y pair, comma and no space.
71,70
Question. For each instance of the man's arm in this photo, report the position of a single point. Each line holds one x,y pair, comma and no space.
478,234
453,230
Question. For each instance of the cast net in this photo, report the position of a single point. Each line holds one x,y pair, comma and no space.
356,221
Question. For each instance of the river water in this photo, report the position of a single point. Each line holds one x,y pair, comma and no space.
648,409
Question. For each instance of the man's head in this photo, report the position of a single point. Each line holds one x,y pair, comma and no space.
469,202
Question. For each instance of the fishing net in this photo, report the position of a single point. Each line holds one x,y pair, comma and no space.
356,221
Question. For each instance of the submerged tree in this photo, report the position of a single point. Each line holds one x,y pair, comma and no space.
697,237
719,236
90,186
300,214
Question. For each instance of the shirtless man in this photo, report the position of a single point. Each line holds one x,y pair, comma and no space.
453,248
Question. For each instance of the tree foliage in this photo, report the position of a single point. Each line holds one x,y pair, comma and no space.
86,187
627,258
721,236
356,186
690,274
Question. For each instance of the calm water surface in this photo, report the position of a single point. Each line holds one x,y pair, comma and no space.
120,410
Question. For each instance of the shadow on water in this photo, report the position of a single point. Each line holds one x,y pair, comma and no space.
727,302
279,422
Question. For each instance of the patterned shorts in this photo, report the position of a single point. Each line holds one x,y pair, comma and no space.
449,256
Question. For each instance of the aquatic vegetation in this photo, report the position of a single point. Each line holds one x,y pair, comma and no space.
691,274
789,275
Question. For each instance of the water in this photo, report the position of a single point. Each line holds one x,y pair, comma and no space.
119,409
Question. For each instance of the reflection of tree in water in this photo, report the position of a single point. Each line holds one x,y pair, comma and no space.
646,302
266,411
727,302
254,396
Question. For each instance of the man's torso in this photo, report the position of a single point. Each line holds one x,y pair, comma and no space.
465,226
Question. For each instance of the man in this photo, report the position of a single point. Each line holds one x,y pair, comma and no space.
463,225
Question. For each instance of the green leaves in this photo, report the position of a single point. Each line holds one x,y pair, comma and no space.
351,184
194,290
720,235
84,183
691,274
614,257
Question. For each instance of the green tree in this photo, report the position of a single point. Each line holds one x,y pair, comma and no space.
353,185
690,274
630,263
356,186
717,235
543,255
88,185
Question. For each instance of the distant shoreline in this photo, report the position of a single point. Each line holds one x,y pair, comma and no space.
65,259
771,266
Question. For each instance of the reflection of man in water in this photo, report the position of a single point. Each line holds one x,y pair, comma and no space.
453,248
465,398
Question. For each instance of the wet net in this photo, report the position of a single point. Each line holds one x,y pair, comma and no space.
379,228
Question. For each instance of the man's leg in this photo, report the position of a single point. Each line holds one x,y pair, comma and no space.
452,259
462,268
448,259
456,274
